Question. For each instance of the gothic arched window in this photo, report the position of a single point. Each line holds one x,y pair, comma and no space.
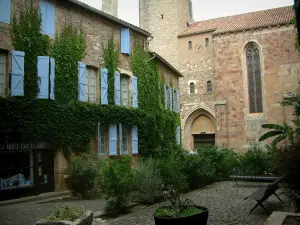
192,88
254,79
209,86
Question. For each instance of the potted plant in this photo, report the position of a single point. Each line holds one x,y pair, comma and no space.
180,211
66,215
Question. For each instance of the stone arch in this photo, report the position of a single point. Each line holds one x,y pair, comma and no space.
192,117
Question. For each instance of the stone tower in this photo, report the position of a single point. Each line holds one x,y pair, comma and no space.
110,7
165,19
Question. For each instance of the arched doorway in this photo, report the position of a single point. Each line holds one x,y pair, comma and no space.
199,128
203,131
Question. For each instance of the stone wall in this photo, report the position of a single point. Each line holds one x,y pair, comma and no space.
165,20
280,71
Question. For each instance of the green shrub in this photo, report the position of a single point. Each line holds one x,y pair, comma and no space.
256,161
82,172
65,212
117,184
148,183
171,171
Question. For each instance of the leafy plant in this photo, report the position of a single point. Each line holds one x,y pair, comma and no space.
68,48
65,212
117,184
148,183
82,172
111,58
26,36
279,132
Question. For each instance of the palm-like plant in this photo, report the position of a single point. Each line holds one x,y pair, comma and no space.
280,132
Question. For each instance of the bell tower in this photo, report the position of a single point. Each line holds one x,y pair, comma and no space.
110,7
165,19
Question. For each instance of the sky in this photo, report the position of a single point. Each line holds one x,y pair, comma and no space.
202,9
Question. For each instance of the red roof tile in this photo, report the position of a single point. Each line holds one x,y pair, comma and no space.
247,21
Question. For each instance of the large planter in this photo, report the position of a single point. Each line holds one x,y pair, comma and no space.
196,219
85,219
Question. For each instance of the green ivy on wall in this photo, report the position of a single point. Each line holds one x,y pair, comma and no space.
26,37
68,48
111,56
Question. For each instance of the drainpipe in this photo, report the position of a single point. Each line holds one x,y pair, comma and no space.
151,58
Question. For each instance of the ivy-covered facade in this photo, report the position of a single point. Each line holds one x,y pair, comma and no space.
79,80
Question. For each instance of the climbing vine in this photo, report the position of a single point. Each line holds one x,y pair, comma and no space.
111,56
26,37
68,48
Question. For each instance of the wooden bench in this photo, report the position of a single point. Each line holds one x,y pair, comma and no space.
253,178
264,193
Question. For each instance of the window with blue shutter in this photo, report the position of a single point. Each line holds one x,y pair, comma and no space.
43,76
135,140
178,135
5,11
117,89
113,139
82,82
178,101
17,73
134,92
52,76
171,99
125,41
166,96
104,86
48,17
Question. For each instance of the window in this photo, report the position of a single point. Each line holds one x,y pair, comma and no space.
16,169
190,45
175,101
168,97
192,88
2,73
103,140
5,11
91,75
209,86
124,90
125,139
254,79
207,42
125,41
48,17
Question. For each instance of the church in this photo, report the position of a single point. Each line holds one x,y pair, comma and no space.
237,69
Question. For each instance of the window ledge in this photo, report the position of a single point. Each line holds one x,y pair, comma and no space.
223,102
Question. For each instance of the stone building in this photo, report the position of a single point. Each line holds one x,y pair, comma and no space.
99,27
236,69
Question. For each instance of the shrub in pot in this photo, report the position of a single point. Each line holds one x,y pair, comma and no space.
68,215
179,211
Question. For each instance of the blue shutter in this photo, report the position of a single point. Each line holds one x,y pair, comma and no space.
50,26
113,139
178,135
48,17
17,73
43,10
166,100
43,76
134,92
99,141
171,99
5,11
52,76
125,41
178,101
135,140
117,89
104,86
81,81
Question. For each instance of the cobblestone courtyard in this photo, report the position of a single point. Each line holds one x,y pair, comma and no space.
225,201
